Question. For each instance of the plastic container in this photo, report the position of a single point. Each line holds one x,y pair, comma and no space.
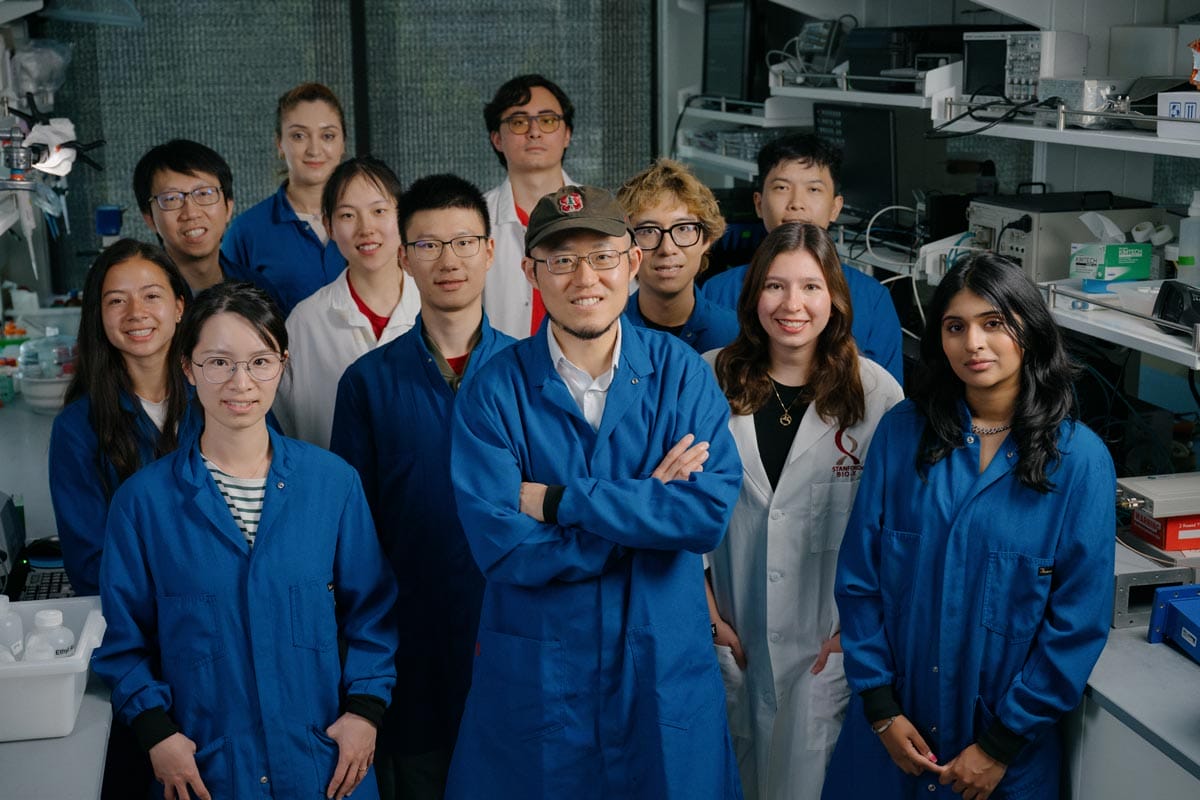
12,631
48,357
1188,266
40,699
49,640
39,321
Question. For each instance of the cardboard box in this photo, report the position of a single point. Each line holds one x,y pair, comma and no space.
1172,533
1180,105
1128,261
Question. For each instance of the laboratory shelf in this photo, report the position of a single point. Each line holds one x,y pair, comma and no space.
737,167
1118,327
1126,141
835,95
755,120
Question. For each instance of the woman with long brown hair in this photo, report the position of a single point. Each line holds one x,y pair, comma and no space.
805,404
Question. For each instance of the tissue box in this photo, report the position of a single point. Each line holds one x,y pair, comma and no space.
1182,105
1111,262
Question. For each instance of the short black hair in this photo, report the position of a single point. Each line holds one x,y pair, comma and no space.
369,167
435,192
517,92
802,147
183,156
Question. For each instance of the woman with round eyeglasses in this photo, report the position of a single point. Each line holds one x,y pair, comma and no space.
368,305
804,406
250,638
675,221
282,244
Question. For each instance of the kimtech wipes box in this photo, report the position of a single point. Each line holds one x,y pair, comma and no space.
1128,261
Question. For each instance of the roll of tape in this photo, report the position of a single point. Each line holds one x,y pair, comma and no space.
1162,234
1142,231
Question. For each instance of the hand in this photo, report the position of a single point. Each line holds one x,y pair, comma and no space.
355,737
682,460
906,747
174,763
533,498
830,645
974,773
726,636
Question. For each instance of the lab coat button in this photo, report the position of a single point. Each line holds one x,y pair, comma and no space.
777,515
263,779
933,728
279,485
774,576
634,381
931,787
688,335
775,637
970,440
935,669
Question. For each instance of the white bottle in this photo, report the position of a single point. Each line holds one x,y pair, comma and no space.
49,639
12,632
1188,267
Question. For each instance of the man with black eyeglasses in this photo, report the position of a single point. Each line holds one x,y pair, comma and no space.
529,123
185,193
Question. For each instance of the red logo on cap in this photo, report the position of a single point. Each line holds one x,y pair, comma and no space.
570,203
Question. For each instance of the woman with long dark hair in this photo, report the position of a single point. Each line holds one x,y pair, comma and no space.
975,577
805,404
127,403
255,644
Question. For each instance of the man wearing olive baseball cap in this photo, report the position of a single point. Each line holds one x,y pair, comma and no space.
592,465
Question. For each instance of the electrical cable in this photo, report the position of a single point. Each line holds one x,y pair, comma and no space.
679,119
867,236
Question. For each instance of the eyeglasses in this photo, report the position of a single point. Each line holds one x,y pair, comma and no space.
219,369
173,201
683,234
518,124
566,263
431,249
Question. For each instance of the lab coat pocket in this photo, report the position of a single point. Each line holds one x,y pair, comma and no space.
189,635
214,762
672,672
898,555
518,683
829,508
737,702
314,622
827,702
1015,593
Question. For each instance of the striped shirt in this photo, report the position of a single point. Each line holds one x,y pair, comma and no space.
244,496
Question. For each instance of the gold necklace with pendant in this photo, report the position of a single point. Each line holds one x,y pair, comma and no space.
785,419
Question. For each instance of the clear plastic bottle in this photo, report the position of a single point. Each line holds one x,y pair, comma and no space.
1188,267
12,632
49,639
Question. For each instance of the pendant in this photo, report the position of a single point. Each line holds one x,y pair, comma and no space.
785,419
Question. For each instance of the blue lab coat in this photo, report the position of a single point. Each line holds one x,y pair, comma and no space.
876,327
76,490
392,423
594,671
978,599
240,645
710,326
269,246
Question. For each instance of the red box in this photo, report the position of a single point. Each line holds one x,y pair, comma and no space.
1172,533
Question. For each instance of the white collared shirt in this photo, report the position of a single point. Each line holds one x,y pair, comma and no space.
590,393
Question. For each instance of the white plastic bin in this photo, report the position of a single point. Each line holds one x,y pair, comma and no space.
40,700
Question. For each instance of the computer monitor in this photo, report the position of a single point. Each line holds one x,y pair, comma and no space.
728,34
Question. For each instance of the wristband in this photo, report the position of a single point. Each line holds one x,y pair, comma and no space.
882,727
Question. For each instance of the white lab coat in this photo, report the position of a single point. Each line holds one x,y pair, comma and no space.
507,295
773,579
326,334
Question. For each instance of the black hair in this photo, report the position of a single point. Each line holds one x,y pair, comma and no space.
101,376
183,156
517,92
434,192
1045,398
369,167
231,297
805,148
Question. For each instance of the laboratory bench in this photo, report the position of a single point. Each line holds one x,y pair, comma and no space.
1137,731
24,447
68,768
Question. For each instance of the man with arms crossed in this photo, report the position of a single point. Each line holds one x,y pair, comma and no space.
529,122
392,423
576,464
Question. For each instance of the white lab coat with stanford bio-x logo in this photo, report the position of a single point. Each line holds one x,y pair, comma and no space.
773,579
